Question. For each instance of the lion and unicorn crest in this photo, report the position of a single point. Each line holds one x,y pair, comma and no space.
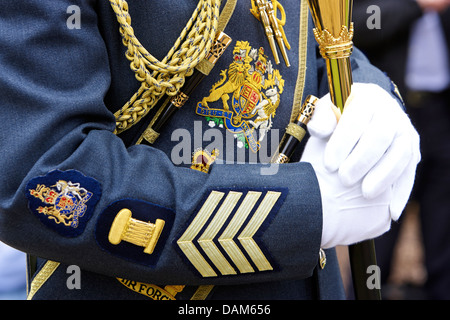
249,92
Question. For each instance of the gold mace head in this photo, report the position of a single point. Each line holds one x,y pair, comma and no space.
334,27
334,33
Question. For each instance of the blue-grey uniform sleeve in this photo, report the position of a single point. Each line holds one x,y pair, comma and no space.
362,71
73,193
365,72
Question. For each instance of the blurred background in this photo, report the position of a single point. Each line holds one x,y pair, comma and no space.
12,273
409,40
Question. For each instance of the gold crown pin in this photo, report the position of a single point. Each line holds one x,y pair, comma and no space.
202,159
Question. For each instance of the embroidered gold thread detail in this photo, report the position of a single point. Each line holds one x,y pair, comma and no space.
246,237
150,135
296,131
185,242
255,88
302,57
202,292
226,239
206,239
152,291
173,290
167,76
44,274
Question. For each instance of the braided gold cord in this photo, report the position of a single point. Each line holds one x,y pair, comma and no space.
167,76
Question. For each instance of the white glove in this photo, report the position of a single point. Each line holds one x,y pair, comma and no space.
365,164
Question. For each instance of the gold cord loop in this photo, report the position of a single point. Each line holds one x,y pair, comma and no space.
167,76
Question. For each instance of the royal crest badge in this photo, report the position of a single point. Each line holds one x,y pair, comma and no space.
63,200
249,93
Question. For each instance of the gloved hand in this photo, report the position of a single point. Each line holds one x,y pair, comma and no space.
365,164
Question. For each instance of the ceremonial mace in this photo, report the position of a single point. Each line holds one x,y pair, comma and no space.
334,34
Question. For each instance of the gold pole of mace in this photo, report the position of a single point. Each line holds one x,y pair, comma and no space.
334,33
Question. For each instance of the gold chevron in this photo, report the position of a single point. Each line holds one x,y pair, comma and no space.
185,242
207,243
226,239
246,237
206,240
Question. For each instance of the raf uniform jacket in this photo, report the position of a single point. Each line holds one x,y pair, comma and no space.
249,231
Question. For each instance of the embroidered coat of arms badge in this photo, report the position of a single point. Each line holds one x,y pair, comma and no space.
62,198
250,93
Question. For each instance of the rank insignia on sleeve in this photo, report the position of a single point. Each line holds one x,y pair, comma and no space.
224,236
248,95
63,200
134,230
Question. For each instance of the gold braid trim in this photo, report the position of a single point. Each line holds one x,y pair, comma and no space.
296,131
167,76
44,274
